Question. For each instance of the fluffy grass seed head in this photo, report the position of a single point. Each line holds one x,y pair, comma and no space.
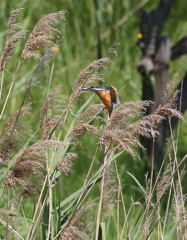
21,132
43,34
50,112
110,191
30,166
11,41
128,122
82,122
80,129
81,225
12,25
33,81
179,207
65,164
164,181
10,47
119,128
90,113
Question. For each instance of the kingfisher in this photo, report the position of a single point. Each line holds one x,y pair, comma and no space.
108,96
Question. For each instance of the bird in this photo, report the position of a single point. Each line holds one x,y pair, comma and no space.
108,96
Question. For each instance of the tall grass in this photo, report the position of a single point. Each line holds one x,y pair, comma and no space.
64,177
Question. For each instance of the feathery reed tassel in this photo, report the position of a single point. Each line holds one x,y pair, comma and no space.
90,114
81,225
33,80
11,42
10,47
50,112
65,164
43,34
121,131
80,129
12,25
21,132
30,163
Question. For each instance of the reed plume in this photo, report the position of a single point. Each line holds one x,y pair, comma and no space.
110,188
180,215
12,25
10,45
124,133
81,225
163,181
65,164
43,35
82,123
90,114
30,163
21,132
80,129
50,112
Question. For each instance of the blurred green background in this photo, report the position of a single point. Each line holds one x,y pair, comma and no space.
91,27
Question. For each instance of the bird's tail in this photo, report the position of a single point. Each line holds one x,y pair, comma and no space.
110,111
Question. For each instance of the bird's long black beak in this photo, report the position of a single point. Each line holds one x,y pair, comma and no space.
84,89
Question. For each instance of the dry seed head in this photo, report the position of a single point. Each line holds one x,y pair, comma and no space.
128,143
81,225
123,132
12,181
171,100
31,162
43,34
179,205
7,148
10,47
126,112
164,181
21,132
72,233
80,129
10,122
33,81
12,20
89,113
88,75
50,112
29,190
65,164
37,152
112,49
166,111
146,126
110,191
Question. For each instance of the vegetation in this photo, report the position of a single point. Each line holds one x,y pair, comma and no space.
67,171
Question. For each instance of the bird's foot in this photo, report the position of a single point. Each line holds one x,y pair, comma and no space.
104,108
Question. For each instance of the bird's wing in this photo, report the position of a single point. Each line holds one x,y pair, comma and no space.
114,95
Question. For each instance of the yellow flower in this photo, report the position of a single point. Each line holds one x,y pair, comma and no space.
139,35
55,49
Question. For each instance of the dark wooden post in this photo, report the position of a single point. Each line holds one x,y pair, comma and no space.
161,74
156,57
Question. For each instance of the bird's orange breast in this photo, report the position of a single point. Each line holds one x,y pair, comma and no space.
105,98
